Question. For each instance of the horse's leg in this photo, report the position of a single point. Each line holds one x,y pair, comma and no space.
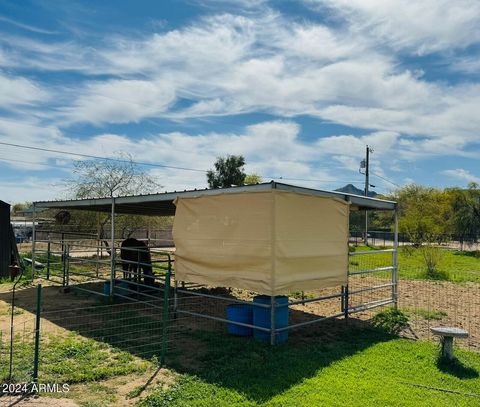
134,272
125,269
138,267
150,280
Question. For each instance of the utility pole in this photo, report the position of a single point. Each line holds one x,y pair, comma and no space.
366,164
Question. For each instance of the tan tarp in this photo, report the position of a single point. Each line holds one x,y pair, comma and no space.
272,242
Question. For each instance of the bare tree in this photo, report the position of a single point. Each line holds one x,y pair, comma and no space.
107,179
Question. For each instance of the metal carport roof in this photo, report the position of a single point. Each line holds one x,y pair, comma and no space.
161,204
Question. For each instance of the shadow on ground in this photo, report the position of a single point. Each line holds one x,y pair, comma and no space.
456,368
260,371
255,369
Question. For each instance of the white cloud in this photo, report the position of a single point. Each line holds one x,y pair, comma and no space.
30,189
16,90
462,174
349,72
469,65
26,26
272,149
120,101
418,26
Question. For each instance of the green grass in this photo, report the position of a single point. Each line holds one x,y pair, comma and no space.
6,310
362,367
429,315
454,265
71,359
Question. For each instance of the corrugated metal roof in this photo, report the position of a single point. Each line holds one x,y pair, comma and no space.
161,204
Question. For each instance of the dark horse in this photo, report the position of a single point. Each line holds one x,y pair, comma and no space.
134,252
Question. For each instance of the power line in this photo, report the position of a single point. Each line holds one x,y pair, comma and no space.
141,163
34,163
385,179
153,164
267,177
96,157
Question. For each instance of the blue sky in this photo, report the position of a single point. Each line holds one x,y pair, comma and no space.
297,87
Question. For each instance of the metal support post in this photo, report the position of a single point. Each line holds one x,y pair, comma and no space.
175,297
49,245
64,266
67,265
272,320
37,334
99,242
346,300
33,240
112,248
395,262
166,300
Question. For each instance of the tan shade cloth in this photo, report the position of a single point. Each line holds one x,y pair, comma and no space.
272,242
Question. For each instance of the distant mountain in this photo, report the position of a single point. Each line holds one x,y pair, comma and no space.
352,189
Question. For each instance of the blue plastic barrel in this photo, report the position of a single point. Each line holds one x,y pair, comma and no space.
262,317
122,287
242,313
106,287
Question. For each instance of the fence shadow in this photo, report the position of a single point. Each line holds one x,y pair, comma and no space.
253,368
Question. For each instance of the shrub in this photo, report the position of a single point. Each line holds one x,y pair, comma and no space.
391,320
432,257
408,250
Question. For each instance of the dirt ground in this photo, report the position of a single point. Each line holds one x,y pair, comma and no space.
35,401
428,303
120,391
457,305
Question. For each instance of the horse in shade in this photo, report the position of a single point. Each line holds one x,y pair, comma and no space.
136,260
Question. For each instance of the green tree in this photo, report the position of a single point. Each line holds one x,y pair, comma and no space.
20,207
425,213
228,172
251,179
466,212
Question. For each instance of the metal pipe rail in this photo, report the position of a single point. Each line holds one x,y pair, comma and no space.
139,263
340,314
160,279
196,314
86,274
193,293
372,252
375,287
140,274
375,270
370,305
326,297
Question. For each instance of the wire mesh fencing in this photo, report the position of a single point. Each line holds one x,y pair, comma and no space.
429,298
88,337
17,350
430,303
91,340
